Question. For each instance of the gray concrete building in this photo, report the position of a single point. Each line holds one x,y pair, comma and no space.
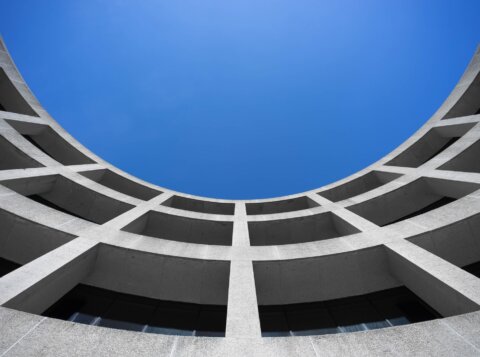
94,261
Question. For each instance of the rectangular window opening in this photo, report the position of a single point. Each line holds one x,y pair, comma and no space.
466,161
433,143
289,205
358,186
416,198
53,145
69,197
434,205
298,230
47,140
182,229
468,102
10,98
121,184
190,204
13,158
95,306
392,307
45,202
443,148
22,241
457,243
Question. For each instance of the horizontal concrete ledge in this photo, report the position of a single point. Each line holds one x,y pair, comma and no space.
24,334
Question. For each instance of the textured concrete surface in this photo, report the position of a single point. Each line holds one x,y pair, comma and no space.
322,244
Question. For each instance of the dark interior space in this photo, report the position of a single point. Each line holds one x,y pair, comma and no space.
392,307
94,306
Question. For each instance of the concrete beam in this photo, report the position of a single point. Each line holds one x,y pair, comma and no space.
445,287
40,283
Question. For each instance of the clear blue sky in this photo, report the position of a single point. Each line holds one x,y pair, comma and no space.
241,98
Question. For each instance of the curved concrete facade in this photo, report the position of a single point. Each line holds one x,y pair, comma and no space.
367,233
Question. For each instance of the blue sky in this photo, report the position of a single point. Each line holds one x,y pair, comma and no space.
241,98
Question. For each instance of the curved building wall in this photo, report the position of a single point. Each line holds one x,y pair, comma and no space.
71,223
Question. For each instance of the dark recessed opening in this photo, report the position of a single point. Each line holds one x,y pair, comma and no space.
421,151
434,205
292,204
457,242
473,269
430,145
392,307
11,99
444,147
190,204
121,184
360,185
47,140
22,240
13,158
182,229
7,266
298,230
50,204
413,199
466,161
57,148
468,102
477,112
100,307
62,194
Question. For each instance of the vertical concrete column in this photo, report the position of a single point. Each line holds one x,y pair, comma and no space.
240,236
38,284
445,287
242,313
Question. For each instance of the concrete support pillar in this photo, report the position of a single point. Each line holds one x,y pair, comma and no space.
242,313
240,227
38,284
445,287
